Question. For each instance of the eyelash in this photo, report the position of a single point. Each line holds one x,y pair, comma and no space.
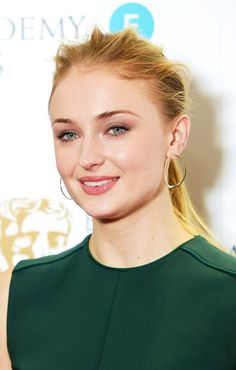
61,136
64,133
124,130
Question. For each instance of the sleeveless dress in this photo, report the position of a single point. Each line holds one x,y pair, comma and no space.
70,312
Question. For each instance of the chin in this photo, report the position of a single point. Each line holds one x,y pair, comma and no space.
104,215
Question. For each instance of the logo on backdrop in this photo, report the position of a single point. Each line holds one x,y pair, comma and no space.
133,15
32,228
40,28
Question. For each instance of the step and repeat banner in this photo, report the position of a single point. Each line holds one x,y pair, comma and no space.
35,218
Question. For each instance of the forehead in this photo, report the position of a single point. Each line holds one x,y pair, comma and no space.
100,90
78,78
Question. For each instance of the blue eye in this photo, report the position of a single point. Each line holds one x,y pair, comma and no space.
117,131
67,136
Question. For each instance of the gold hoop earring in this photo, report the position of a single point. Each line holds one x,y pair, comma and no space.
69,198
166,172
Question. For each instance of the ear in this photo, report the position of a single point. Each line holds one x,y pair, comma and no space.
178,135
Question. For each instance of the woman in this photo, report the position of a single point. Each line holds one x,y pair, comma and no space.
148,289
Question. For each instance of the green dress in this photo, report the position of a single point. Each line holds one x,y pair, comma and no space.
70,312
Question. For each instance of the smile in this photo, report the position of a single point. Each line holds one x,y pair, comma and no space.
97,185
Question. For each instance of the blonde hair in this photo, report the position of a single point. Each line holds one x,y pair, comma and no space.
132,57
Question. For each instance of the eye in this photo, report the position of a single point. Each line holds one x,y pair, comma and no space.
67,136
117,130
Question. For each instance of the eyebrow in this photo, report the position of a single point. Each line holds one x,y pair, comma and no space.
99,117
108,114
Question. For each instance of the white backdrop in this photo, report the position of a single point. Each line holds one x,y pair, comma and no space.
200,33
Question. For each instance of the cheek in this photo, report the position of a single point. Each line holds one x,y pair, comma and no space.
144,156
126,157
65,162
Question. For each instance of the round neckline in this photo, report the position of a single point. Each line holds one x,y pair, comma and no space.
141,267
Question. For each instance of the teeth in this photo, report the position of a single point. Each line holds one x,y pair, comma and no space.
97,183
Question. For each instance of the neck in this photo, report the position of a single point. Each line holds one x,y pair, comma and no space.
139,238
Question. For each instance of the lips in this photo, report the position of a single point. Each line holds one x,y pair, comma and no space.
96,185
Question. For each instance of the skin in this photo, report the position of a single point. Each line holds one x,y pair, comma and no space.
133,222
131,146
5,363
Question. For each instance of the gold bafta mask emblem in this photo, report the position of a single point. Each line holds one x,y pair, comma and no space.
32,228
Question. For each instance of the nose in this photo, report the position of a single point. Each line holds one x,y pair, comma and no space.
90,153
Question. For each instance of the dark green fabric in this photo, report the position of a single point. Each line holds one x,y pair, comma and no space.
69,312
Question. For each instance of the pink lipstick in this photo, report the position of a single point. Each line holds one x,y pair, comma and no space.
96,185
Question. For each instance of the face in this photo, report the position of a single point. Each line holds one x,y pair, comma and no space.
110,142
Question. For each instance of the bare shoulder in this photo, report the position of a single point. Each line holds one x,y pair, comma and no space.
5,278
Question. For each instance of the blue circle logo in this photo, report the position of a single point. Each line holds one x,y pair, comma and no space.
132,15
